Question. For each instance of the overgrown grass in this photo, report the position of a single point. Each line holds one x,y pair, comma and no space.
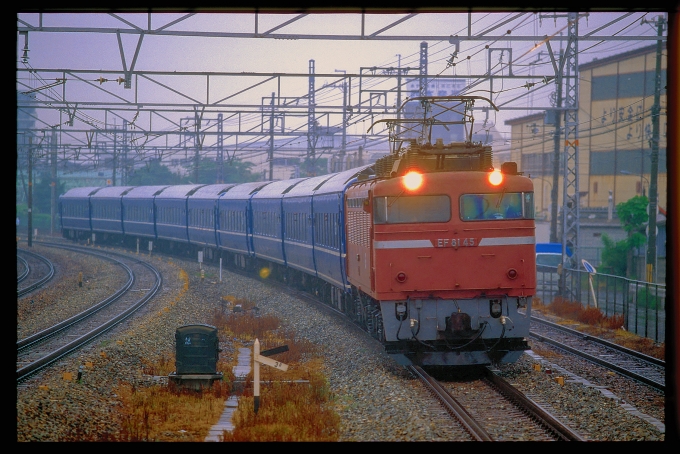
593,321
160,413
295,405
288,411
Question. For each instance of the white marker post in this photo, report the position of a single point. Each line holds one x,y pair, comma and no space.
257,359
591,270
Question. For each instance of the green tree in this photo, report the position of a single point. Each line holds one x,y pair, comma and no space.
234,171
154,173
42,193
613,256
617,258
633,216
312,168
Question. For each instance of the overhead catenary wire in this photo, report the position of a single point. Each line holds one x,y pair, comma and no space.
253,120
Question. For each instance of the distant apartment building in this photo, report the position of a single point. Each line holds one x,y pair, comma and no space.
615,127
615,132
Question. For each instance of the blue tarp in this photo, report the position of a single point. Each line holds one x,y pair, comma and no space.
551,248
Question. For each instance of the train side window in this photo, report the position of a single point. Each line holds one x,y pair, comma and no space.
529,206
411,209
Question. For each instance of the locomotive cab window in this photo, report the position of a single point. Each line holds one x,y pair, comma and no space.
405,210
500,205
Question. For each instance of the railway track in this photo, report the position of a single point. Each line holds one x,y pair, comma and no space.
36,269
626,362
23,269
491,409
521,429
470,415
47,346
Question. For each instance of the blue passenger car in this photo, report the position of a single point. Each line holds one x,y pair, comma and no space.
202,212
298,226
138,211
171,212
107,208
267,217
74,211
329,220
234,218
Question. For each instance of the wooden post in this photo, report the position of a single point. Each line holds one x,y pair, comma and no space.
257,359
256,375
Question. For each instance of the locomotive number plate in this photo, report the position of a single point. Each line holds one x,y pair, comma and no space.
457,242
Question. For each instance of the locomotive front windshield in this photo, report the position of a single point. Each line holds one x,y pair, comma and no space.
410,209
500,205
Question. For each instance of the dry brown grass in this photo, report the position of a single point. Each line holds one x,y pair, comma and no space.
592,321
295,405
159,413
288,411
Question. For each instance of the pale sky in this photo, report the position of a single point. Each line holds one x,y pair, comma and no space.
100,51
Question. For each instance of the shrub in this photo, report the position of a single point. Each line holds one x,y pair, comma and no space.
590,316
565,308
645,300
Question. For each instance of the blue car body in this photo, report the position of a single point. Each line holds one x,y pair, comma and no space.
234,218
267,213
171,212
139,217
74,208
202,214
299,226
107,209
328,206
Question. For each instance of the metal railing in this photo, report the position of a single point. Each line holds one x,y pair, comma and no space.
642,304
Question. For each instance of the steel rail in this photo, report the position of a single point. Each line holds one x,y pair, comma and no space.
453,407
40,282
50,358
621,370
606,343
561,431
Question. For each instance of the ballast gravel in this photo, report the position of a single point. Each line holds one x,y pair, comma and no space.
376,399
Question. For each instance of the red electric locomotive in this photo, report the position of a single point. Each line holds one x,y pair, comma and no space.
440,246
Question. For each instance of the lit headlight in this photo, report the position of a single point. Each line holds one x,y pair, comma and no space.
413,180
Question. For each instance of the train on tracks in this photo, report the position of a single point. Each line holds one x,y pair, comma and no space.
429,249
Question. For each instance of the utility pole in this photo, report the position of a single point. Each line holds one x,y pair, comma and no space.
343,148
422,88
654,143
570,184
53,182
556,154
30,192
311,120
115,159
220,149
197,144
398,95
124,167
571,216
271,141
